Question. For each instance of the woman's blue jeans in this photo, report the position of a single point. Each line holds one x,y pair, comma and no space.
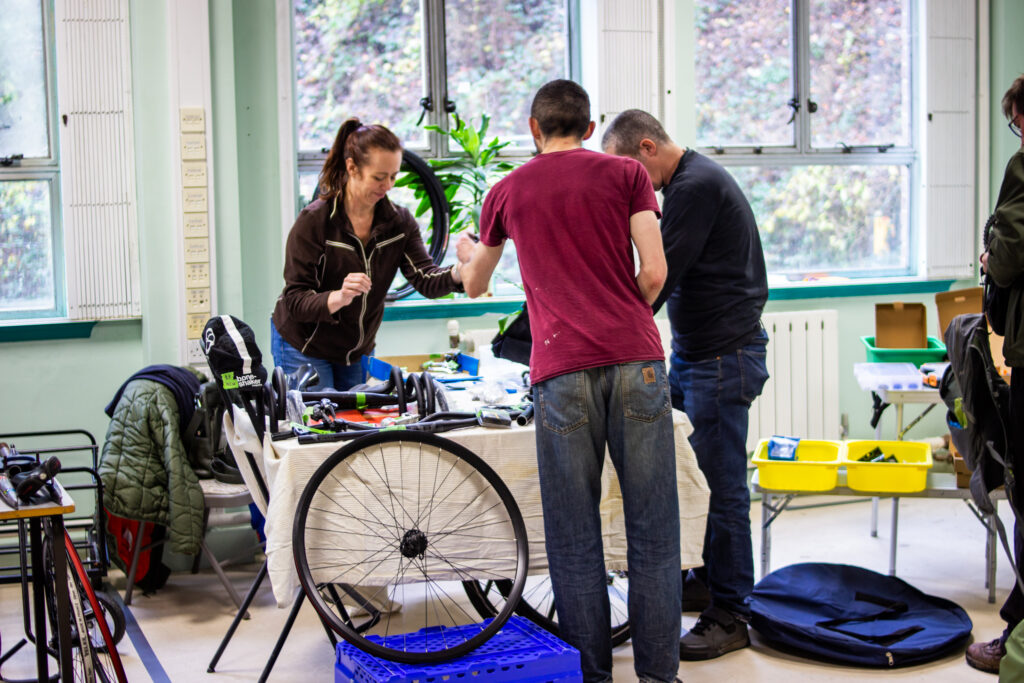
716,395
332,375
627,409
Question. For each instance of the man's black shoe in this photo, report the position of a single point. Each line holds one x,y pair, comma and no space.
696,596
715,633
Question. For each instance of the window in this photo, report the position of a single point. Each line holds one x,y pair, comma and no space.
406,63
31,280
809,102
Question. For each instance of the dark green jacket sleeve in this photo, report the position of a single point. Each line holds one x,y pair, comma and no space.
1006,250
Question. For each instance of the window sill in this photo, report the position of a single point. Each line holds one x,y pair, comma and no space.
829,290
425,309
43,331
450,308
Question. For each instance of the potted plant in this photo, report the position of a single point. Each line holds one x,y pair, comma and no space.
467,177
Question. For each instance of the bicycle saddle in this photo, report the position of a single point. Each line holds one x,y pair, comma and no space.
304,376
32,483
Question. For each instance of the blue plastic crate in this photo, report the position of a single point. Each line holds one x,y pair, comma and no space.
520,651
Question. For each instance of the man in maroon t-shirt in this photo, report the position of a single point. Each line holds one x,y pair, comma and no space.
598,372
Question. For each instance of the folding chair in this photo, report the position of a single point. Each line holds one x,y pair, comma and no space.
215,495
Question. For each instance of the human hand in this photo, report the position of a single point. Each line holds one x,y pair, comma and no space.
464,246
984,261
354,285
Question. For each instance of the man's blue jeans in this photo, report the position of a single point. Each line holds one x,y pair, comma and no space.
716,395
626,408
332,375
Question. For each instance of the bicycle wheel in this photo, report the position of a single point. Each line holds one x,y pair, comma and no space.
96,620
424,190
83,667
386,529
537,602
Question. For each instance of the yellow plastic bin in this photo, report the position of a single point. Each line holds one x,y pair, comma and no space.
816,467
907,475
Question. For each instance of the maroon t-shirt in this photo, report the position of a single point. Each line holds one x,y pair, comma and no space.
568,214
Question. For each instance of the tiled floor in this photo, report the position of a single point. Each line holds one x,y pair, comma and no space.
941,551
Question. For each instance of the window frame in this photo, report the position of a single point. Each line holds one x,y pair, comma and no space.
802,152
436,81
48,169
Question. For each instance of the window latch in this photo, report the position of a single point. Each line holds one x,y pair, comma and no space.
847,149
885,148
449,107
428,105
794,104
13,160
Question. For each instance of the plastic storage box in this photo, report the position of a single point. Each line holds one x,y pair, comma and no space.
816,467
892,376
907,475
936,351
520,651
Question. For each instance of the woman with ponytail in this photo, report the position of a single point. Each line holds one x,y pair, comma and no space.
342,254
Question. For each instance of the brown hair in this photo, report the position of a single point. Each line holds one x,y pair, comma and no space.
353,141
1015,95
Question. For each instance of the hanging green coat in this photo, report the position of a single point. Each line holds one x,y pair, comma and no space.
145,468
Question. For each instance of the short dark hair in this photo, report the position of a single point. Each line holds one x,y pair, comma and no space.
562,109
1015,95
625,132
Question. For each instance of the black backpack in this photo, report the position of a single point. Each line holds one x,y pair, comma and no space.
204,439
514,341
978,399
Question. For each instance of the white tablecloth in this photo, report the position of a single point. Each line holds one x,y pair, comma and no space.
287,466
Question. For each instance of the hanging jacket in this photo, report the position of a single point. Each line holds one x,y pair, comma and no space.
145,469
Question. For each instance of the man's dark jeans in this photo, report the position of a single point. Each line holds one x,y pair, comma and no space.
626,408
716,395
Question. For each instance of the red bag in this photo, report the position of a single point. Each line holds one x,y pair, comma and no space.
151,573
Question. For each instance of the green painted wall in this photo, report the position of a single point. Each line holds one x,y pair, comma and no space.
258,168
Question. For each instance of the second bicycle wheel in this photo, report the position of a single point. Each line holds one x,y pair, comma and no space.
385,532
537,602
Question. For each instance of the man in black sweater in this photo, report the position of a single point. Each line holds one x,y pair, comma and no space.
716,290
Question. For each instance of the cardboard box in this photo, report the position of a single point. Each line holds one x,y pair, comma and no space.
963,475
954,303
901,326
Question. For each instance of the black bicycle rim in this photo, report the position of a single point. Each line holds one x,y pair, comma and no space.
413,163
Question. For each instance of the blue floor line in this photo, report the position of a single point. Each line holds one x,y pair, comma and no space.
142,647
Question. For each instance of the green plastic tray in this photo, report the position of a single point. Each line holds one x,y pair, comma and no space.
936,351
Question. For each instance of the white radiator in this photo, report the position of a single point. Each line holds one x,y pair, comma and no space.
801,397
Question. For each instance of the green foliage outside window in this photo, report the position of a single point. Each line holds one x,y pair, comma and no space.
814,218
466,177
26,272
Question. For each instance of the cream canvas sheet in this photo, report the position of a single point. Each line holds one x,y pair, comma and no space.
287,466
